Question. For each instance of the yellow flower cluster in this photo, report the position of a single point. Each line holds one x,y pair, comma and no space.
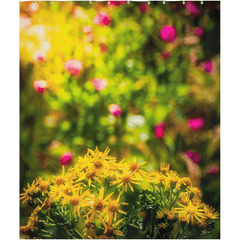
84,187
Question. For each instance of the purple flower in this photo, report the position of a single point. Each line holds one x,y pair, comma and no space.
66,158
194,156
193,9
143,7
196,124
168,33
208,66
199,31
159,130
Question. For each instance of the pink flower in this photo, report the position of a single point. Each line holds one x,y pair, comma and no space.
114,109
212,170
103,47
99,84
66,158
73,66
159,130
102,19
25,21
117,3
193,9
199,31
33,7
87,29
40,56
40,85
168,33
196,123
143,7
208,66
166,54
194,156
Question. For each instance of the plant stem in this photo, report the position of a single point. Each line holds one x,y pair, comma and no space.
78,234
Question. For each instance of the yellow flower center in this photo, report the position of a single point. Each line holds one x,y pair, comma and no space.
91,174
98,205
191,209
108,232
113,207
126,178
74,201
88,224
66,190
98,164
161,178
24,230
133,167
59,180
44,185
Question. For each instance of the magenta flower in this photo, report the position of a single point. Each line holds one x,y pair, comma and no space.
102,19
199,31
143,7
73,66
196,124
40,85
99,84
117,3
115,109
208,66
212,170
168,33
159,130
66,158
194,156
193,9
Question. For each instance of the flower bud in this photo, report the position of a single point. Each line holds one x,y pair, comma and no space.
73,66
114,109
40,85
66,158
168,33
102,19
196,124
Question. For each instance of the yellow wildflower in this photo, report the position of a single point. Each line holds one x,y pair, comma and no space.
209,212
194,213
184,197
164,167
125,179
160,214
32,189
97,204
109,231
113,209
162,225
135,169
171,214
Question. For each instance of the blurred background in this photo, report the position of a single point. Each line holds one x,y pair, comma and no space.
142,79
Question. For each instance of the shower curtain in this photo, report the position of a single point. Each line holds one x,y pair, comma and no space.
119,119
